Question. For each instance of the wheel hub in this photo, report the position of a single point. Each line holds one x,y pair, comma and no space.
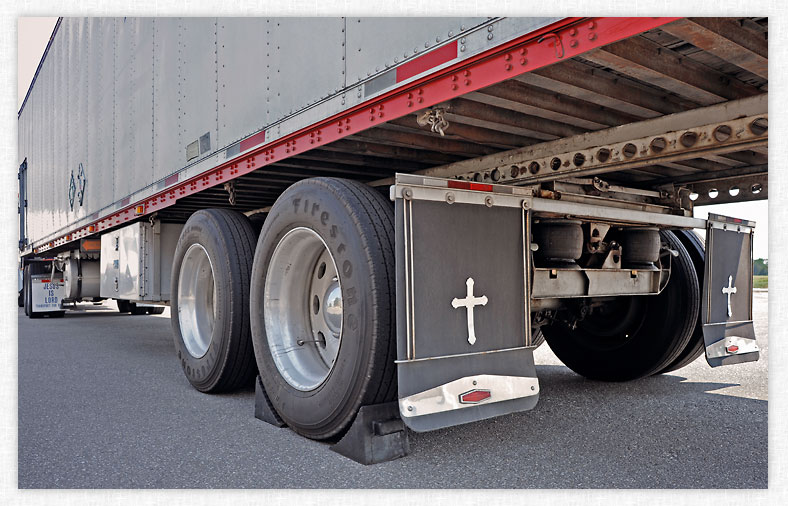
332,308
303,309
196,300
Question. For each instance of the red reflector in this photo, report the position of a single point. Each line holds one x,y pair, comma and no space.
474,396
46,280
732,348
426,62
171,180
481,187
253,141
467,185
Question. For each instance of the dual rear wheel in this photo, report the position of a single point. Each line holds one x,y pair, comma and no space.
309,304
637,336
312,299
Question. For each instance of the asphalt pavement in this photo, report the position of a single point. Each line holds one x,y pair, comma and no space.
103,404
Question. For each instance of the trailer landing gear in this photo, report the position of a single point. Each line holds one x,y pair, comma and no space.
376,435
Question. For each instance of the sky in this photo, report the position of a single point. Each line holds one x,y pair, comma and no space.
34,33
33,36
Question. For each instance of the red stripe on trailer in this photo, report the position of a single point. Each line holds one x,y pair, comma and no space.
529,52
253,141
425,62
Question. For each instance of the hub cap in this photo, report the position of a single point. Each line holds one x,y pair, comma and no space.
303,309
196,300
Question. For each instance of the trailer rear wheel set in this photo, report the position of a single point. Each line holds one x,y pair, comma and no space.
636,336
314,297
318,289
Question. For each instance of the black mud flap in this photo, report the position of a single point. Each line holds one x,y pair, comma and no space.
463,326
726,309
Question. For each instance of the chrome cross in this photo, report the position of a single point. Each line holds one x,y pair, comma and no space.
729,290
469,302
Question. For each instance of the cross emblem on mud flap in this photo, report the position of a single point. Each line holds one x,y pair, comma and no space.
469,302
729,290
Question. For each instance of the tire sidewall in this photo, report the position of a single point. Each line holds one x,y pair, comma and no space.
203,372
311,205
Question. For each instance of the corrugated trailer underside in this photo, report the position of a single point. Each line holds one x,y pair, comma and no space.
682,66
657,73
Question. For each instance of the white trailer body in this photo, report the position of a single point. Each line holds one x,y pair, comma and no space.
119,105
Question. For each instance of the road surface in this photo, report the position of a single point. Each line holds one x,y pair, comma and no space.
103,403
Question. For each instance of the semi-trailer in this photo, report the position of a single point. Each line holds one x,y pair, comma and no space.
397,211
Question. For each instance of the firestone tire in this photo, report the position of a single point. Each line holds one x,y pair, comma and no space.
320,226
635,336
210,300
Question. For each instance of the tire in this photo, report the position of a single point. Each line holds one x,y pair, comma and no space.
347,227
124,306
211,330
636,336
26,290
156,310
696,247
21,298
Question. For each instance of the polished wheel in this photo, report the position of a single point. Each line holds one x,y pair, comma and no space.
303,309
196,300
209,300
322,304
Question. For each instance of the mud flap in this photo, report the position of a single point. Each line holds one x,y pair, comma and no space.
726,309
463,319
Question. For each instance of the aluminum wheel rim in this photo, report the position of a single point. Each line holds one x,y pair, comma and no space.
303,309
196,301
